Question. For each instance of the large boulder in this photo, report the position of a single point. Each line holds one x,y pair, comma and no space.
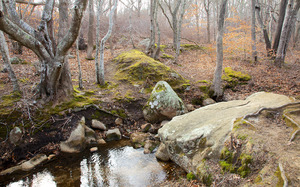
163,104
136,68
201,134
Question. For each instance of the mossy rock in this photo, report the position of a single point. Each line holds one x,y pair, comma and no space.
204,174
135,67
7,101
234,78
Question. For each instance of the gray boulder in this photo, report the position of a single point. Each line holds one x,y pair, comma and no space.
77,141
98,125
208,101
162,153
144,43
15,135
113,134
163,104
201,134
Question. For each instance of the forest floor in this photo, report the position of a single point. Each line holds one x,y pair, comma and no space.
194,65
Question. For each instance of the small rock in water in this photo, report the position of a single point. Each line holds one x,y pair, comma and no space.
98,125
119,121
51,156
94,149
113,134
146,127
101,141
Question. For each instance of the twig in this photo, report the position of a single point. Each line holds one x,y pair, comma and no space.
294,135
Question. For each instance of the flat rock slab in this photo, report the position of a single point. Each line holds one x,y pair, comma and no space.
201,134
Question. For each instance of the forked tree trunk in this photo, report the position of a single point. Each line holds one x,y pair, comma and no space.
55,78
102,44
217,86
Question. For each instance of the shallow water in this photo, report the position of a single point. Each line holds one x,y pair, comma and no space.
115,164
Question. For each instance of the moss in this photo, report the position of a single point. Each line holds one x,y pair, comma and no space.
24,80
227,166
161,47
7,101
203,173
190,47
202,81
234,78
135,67
119,112
90,58
190,176
242,137
258,179
280,179
244,169
166,56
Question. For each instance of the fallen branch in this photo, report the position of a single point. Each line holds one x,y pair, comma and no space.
284,178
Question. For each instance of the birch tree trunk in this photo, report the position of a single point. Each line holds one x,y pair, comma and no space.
156,54
55,77
99,12
288,25
102,44
91,31
217,86
253,34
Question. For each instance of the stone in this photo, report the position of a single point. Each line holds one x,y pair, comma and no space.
162,153
15,60
113,134
93,149
15,135
50,157
164,122
144,43
98,125
190,107
138,139
101,141
201,134
33,162
146,127
76,142
208,101
150,145
90,135
163,104
119,121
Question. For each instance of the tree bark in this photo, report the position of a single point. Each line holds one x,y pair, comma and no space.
91,31
288,25
151,47
282,9
217,86
179,28
156,54
207,10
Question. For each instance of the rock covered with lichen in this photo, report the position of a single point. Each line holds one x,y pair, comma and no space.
163,104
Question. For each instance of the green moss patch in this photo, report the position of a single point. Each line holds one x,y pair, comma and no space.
7,101
188,47
135,67
166,56
190,176
234,78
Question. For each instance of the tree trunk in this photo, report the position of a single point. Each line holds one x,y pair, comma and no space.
80,85
297,35
179,28
207,10
156,54
90,48
264,29
102,44
151,47
55,79
288,25
99,12
283,5
217,86
253,34
7,65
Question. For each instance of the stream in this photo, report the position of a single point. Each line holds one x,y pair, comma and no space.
114,164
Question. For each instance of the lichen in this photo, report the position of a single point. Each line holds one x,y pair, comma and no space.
234,78
135,67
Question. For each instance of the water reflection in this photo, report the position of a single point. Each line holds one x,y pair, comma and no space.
123,166
44,178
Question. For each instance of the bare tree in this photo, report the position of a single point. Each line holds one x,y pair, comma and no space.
283,5
151,47
101,76
263,28
55,79
7,65
288,25
217,86
91,31
207,10
253,34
